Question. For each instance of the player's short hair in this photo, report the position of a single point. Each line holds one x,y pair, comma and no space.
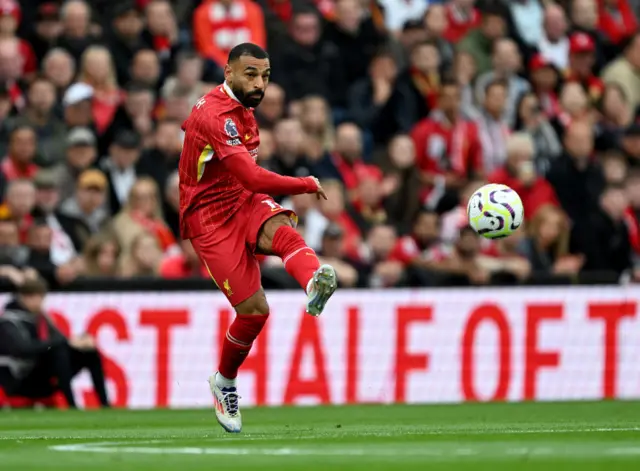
247,49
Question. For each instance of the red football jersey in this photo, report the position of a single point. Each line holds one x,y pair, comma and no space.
219,126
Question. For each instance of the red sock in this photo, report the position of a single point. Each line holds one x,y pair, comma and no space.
299,260
237,343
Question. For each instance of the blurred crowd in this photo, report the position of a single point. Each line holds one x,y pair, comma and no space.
401,107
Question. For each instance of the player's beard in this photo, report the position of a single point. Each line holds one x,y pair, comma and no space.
251,99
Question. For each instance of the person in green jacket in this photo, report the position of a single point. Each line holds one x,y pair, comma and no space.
479,42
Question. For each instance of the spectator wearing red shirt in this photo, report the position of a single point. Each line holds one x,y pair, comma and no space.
10,16
421,244
463,17
447,146
582,59
186,264
22,151
519,173
617,20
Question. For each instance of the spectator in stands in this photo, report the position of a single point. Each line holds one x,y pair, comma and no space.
13,255
382,271
333,251
97,70
506,65
547,245
186,264
145,68
413,33
554,44
531,119
544,80
617,20
519,173
415,92
493,130
308,214
397,13
435,25
462,17
334,209
101,256
6,109
39,114
162,33
625,70
614,168
368,203
272,107
506,260
305,64
144,258
19,201
462,261
574,107
10,16
81,154
121,168
219,25
37,358
317,123
527,19
11,70
47,30
188,79
577,179
582,59
616,115
143,214
448,148
267,147
415,248
632,213
455,219
134,113
584,17
68,233
161,158
289,158
369,95
347,160
479,41
77,102
59,67
631,144
76,28
18,163
88,202
124,38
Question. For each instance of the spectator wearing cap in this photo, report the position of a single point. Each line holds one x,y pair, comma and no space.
68,234
617,20
18,163
80,155
97,70
507,62
11,63
630,144
582,59
479,41
59,67
124,38
625,70
76,28
584,19
554,44
447,146
40,115
10,16
462,17
38,360
219,25
77,103
88,202
519,173
545,78
120,167
46,31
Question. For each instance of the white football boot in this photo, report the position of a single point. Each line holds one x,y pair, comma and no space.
320,288
226,406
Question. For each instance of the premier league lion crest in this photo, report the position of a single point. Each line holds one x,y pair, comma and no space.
230,128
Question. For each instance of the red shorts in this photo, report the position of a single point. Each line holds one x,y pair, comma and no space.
229,252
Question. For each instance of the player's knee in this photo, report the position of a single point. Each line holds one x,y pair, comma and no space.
256,305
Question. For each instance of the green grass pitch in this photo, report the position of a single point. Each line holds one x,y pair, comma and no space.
498,437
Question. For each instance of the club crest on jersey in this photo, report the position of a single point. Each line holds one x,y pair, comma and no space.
230,128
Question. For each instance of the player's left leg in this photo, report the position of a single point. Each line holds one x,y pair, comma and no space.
278,236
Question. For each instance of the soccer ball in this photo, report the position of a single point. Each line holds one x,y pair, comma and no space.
495,211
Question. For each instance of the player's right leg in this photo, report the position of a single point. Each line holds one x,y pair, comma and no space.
236,272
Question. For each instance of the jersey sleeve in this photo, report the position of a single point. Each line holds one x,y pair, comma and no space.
222,132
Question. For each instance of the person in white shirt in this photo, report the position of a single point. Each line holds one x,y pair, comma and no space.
554,44
398,12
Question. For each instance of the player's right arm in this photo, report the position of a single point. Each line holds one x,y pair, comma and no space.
222,133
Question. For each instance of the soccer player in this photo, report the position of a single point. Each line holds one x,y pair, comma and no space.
226,213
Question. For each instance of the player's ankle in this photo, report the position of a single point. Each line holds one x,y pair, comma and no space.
223,382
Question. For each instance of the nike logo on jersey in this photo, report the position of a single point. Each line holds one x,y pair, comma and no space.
247,137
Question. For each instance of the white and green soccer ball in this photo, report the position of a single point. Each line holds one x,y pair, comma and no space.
495,211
